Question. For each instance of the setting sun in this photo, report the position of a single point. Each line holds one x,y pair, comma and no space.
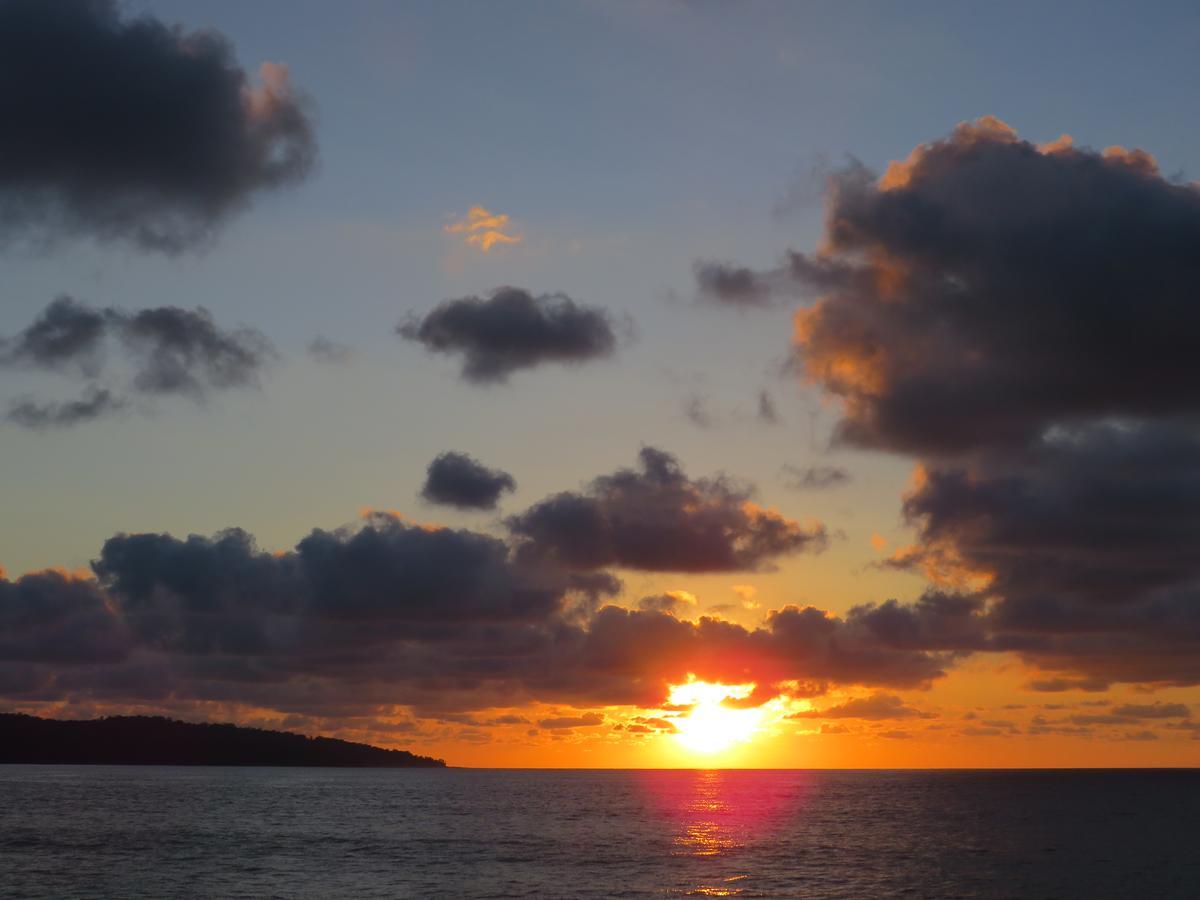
712,725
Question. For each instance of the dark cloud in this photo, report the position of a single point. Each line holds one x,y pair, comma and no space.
987,289
586,720
1022,318
1087,538
54,617
733,285
171,351
1152,711
1131,713
354,622
655,518
94,404
459,480
66,333
671,604
131,129
875,707
814,478
182,351
324,350
385,572
511,329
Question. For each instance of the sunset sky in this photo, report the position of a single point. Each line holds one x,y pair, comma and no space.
607,384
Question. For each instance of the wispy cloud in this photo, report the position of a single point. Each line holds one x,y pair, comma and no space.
483,229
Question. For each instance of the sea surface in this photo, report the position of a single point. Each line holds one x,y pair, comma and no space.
164,832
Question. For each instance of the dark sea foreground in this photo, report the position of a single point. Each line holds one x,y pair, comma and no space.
95,831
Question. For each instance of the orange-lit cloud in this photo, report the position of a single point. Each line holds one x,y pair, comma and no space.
484,229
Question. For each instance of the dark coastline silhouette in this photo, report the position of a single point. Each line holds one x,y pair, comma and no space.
154,740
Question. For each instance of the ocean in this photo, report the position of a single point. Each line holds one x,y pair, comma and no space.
132,832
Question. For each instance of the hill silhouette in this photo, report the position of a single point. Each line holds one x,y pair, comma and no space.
155,741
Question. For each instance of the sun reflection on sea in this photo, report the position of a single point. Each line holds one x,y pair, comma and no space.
716,814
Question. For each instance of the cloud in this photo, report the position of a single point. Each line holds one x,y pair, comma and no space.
655,518
730,285
67,333
512,329
130,129
587,720
696,411
672,603
987,289
483,229
1021,318
814,478
171,350
875,707
94,404
182,351
324,350
766,409
458,480
54,617
361,620
1131,713
1152,711
1087,541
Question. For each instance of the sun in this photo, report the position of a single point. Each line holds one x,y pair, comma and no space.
712,726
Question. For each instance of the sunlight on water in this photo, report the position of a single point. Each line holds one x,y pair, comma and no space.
165,833
717,814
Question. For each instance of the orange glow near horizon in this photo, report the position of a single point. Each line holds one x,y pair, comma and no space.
711,726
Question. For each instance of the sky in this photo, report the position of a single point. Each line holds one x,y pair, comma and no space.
492,380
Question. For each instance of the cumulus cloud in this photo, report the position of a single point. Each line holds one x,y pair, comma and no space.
461,481
171,351
672,603
131,129
56,617
386,614
986,289
511,329
656,518
1087,541
1021,318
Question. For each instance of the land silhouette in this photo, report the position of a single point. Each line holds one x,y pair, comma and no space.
158,741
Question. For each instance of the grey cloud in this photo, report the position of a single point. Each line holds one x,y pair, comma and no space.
814,478
356,621
131,129
182,351
875,707
1023,319
732,285
987,289
93,404
655,518
767,411
324,350
459,480
511,329
171,351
